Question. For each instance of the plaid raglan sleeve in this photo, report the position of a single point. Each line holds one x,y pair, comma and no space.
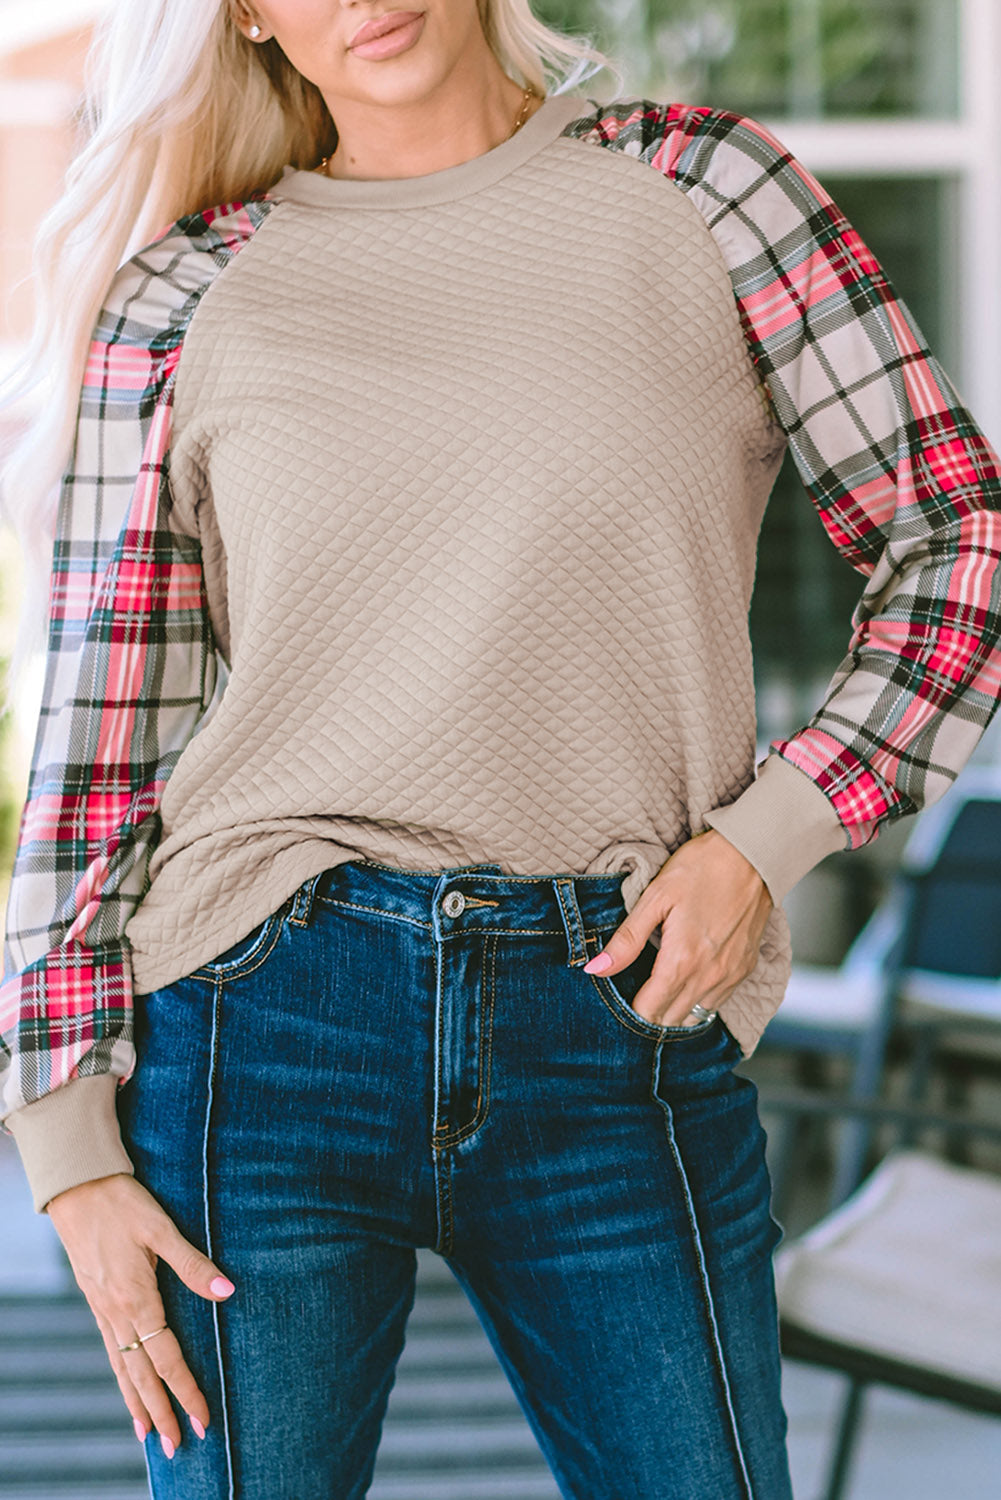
130,669
907,486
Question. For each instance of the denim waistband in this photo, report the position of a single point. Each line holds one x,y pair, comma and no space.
464,898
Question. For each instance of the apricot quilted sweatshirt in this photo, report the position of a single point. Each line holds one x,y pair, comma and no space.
416,519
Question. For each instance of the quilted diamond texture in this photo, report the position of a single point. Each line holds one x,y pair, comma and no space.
479,485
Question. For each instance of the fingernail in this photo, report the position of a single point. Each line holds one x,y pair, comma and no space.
599,963
220,1287
166,1445
199,1429
140,1429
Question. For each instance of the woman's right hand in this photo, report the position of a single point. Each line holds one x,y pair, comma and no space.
114,1230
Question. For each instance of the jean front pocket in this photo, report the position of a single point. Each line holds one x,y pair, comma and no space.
618,991
249,952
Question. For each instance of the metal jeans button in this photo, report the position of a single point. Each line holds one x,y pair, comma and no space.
453,903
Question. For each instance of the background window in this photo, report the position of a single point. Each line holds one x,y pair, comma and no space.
805,591
806,58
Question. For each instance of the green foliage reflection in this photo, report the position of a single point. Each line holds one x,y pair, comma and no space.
781,57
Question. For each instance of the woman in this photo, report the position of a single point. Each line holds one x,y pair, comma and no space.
394,869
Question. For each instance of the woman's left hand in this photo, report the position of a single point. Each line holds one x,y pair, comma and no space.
714,907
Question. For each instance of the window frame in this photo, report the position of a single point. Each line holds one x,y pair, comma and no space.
966,150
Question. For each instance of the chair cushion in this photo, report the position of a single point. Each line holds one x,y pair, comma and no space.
953,993
817,996
908,1267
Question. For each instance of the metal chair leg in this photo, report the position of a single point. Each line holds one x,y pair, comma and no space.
851,1413
857,1137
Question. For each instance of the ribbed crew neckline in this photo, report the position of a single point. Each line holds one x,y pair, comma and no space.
298,185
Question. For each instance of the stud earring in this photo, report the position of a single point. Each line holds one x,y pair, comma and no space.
255,31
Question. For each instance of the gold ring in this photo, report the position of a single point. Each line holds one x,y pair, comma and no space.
142,1339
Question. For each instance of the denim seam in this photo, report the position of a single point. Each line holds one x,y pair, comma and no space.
614,1004
617,1005
210,1091
659,1033
693,1223
242,966
505,931
572,920
394,916
301,909
440,1159
378,911
481,1109
443,1186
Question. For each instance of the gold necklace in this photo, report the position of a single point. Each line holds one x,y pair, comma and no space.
527,97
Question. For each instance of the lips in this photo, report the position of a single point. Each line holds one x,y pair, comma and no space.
391,22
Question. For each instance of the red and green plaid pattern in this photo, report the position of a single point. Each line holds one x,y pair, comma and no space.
906,485
130,670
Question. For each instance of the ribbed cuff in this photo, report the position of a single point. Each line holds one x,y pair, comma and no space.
69,1136
783,823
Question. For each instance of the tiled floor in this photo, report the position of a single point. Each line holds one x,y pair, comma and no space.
450,1398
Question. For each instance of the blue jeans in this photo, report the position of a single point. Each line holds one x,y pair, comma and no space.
401,1058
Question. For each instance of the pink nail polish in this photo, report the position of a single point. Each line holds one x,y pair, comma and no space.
599,963
199,1429
140,1429
166,1445
220,1287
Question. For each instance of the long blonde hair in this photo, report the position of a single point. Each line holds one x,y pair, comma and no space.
180,112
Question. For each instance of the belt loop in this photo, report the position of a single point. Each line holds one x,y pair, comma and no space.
573,923
302,903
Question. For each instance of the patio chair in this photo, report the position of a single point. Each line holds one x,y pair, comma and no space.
924,973
900,1284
